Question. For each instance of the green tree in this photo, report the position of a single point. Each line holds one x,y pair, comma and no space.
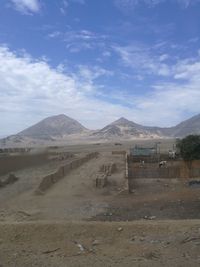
189,147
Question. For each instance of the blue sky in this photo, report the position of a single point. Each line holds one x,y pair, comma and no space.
97,61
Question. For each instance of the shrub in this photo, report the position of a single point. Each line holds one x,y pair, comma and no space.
189,147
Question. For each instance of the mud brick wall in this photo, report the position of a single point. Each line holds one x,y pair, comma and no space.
181,170
146,159
49,180
190,169
13,163
119,152
158,173
101,180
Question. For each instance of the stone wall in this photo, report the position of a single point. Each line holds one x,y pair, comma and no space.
13,163
49,180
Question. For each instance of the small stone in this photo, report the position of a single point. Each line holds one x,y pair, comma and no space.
133,238
95,242
149,217
152,217
120,229
80,247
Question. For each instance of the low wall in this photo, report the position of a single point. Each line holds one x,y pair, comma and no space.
190,169
109,168
149,159
159,173
181,170
101,180
13,163
14,150
119,152
62,171
177,169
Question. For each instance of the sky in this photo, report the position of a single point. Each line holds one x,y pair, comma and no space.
99,60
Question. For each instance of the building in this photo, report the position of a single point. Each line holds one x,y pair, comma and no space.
143,151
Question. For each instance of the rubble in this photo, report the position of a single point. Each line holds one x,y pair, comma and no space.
9,180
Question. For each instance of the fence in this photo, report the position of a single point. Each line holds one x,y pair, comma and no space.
176,170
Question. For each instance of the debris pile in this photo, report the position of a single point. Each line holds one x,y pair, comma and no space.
9,180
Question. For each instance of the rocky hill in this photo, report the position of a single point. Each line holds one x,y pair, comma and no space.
66,129
190,126
125,128
53,127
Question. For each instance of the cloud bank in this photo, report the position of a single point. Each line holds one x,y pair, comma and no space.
31,90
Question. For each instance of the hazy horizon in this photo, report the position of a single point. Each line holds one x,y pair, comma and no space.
4,136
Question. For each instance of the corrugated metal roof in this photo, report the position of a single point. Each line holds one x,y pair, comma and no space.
142,151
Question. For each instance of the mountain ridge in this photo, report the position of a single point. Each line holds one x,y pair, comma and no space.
122,127
54,126
62,127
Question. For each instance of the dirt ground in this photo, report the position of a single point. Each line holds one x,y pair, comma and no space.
160,199
76,224
74,244
73,198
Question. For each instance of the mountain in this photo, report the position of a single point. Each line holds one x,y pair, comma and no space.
127,129
124,128
62,128
187,127
53,127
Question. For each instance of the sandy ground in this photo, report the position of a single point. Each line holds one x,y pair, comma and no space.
159,198
50,244
74,197
76,224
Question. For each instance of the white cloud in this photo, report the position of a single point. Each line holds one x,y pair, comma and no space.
134,3
186,3
142,60
27,6
54,34
163,57
77,41
82,2
65,4
64,7
130,4
188,69
31,90
94,73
